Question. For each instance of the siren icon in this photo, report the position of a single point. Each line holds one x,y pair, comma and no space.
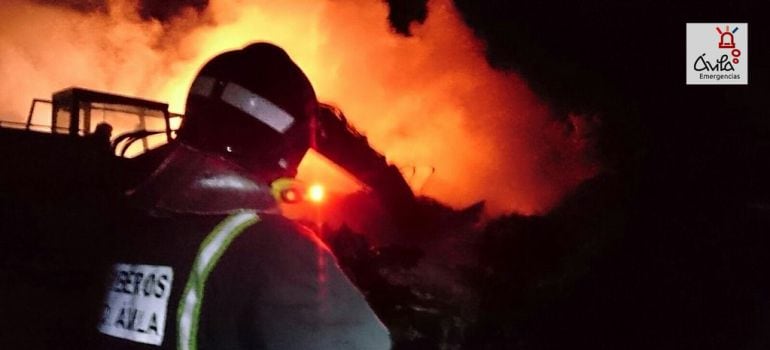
727,41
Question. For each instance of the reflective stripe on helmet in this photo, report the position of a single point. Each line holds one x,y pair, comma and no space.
248,102
209,253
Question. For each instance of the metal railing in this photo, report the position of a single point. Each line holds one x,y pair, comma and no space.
7,124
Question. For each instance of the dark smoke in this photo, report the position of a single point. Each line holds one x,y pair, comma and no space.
79,5
403,13
162,10
168,9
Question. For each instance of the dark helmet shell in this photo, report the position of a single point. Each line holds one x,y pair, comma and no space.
253,106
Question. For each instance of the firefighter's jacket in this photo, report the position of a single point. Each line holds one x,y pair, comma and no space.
209,263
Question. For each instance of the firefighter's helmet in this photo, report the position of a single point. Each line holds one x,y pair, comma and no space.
253,106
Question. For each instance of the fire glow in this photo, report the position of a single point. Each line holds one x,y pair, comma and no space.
427,101
316,193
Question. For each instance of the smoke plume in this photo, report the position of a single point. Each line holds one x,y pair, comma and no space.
427,101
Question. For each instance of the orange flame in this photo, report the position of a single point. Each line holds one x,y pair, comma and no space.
428,101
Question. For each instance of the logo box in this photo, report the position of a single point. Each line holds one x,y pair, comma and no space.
717,53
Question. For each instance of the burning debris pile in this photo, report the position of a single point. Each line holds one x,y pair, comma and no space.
460,283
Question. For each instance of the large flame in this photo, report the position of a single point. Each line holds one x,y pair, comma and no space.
429,101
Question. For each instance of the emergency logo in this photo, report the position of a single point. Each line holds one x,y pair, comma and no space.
136,303
717,54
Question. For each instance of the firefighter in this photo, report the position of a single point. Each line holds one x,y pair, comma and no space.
208,261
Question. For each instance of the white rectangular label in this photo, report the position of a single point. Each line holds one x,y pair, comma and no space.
717,53
136,303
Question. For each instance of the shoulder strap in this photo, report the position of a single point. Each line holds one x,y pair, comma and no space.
209,253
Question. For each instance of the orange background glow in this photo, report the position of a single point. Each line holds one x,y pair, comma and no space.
429,101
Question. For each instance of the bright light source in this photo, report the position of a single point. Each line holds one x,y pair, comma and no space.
316,193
